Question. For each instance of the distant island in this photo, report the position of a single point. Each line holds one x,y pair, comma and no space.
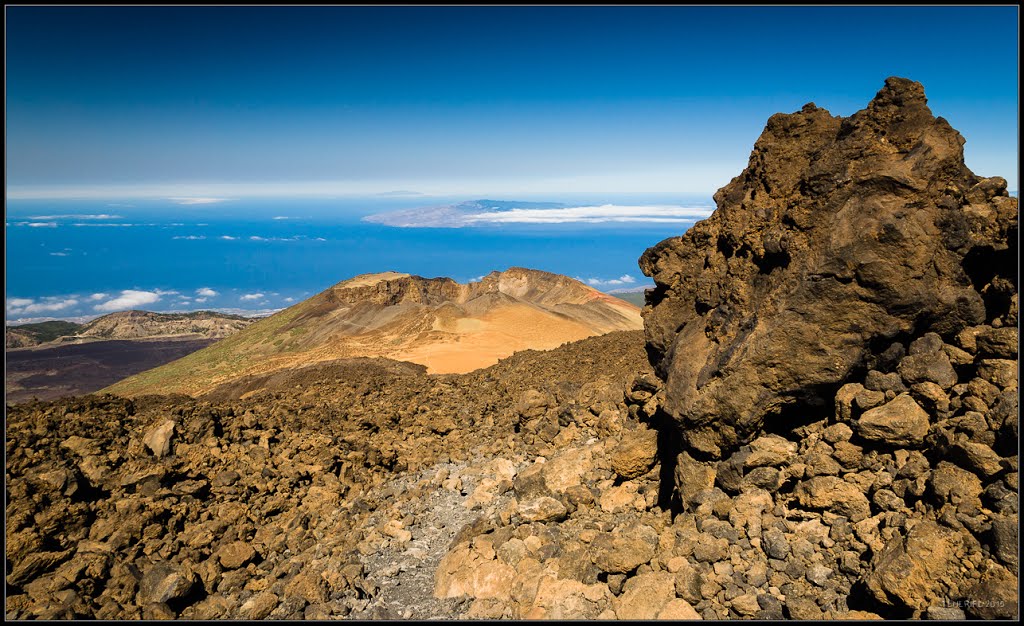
452,215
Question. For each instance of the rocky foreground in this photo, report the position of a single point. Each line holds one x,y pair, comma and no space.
829,431
370,490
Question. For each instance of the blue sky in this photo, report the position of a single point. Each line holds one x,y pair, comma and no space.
120,102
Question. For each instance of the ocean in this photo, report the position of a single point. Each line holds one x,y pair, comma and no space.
75,259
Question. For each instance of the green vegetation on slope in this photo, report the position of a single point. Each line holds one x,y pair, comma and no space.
633,297
218,360
48,331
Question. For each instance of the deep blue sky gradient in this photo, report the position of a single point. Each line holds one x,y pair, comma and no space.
465,100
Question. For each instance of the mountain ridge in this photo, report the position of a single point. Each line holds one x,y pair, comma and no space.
132,324
438,322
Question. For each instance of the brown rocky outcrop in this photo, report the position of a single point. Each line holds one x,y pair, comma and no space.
841,333
842,236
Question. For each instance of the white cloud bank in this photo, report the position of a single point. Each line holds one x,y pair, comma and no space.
252,296
188,200
129,299
656,214
21,306
206,292
625,279
76,216
37,224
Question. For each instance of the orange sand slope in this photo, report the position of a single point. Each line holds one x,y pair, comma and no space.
447,326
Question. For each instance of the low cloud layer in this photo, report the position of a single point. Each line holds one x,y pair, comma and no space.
129,299
189,200
86,306
625,279
76,216
35,224
473,214
29,306
657,214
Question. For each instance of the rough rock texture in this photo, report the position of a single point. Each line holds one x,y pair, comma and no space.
357,489
838,346
841,236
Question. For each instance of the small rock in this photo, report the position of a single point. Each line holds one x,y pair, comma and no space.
916,571
635,453
901,422
1000,372
543,509
994,597
775,544
617,498
978,457
929,343
678,609
802,608
931,396
259,606
818,575
844,401
832,493
1005,537
877,381
162,582
711,549
624,551
945,613
770,451
236,554
225,479
643,597
933,367
692,478
837,432
848,454
158,438
953,484
1000,343
746,604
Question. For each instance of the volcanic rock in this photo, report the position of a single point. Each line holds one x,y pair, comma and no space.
918,570
158,439
900,421
635,453
841,233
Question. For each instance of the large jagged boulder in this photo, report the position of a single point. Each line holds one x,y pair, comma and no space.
842,236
